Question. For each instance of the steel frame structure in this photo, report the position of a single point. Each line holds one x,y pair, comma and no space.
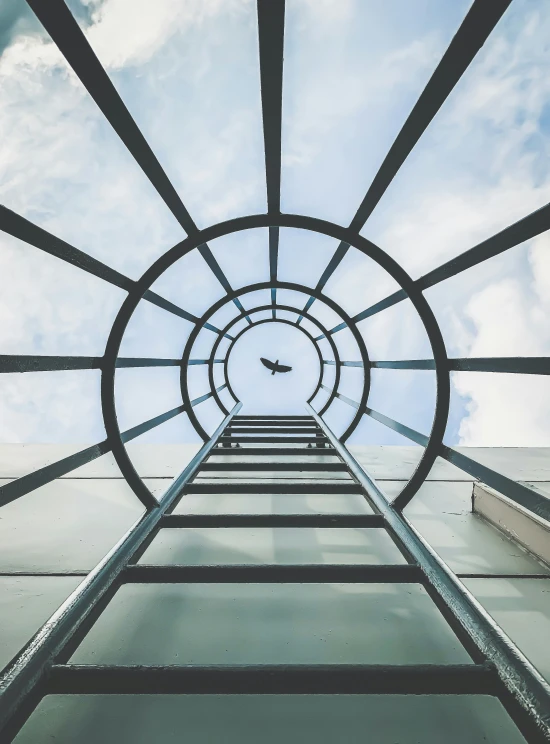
527,689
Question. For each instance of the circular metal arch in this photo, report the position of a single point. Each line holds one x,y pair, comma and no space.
260,308
257,309
257,323
279,285
312,224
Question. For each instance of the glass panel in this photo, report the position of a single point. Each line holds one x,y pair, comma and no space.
266,503
266,545
26,602
271,624
522,608
66,525
249,719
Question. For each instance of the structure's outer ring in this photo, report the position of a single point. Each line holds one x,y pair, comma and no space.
235,320
312,224
275,320
218,341
188,349
280,285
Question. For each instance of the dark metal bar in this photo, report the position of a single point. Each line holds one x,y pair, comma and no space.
347,400
508,365
58,21
272,429
470,37
22,676
271,440
273,265
191,362
271,451
27,483
516,673
517,492
278,574
130,434
529,227
279,485
345,364
296,679
271,29
21,228
334,262
287,466
474,31
202,398
270,521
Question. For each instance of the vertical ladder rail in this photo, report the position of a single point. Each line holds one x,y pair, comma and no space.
33,664
516,673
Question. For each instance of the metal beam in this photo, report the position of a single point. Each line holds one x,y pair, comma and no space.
61,25
295,679
508,365
516,492
22,229
271,30
27,483
202,398
470,37
64,30
525,229
474,31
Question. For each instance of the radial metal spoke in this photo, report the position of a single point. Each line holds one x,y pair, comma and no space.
525,229
61,25
347,400
271,29
63,28
509,365
516,492
32,481
202,398
32,363
21,228
470,37
474,31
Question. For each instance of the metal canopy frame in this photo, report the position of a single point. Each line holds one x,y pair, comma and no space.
470,37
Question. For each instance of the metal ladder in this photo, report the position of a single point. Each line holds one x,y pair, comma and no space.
301,449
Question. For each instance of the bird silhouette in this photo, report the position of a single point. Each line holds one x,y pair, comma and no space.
275,366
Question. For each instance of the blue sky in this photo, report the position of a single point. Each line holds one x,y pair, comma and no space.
188,72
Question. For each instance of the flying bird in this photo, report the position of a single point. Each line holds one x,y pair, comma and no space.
275,366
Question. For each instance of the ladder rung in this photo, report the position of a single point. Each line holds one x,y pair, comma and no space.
271,451
309,679
299,487
273,520
405,573
270,466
